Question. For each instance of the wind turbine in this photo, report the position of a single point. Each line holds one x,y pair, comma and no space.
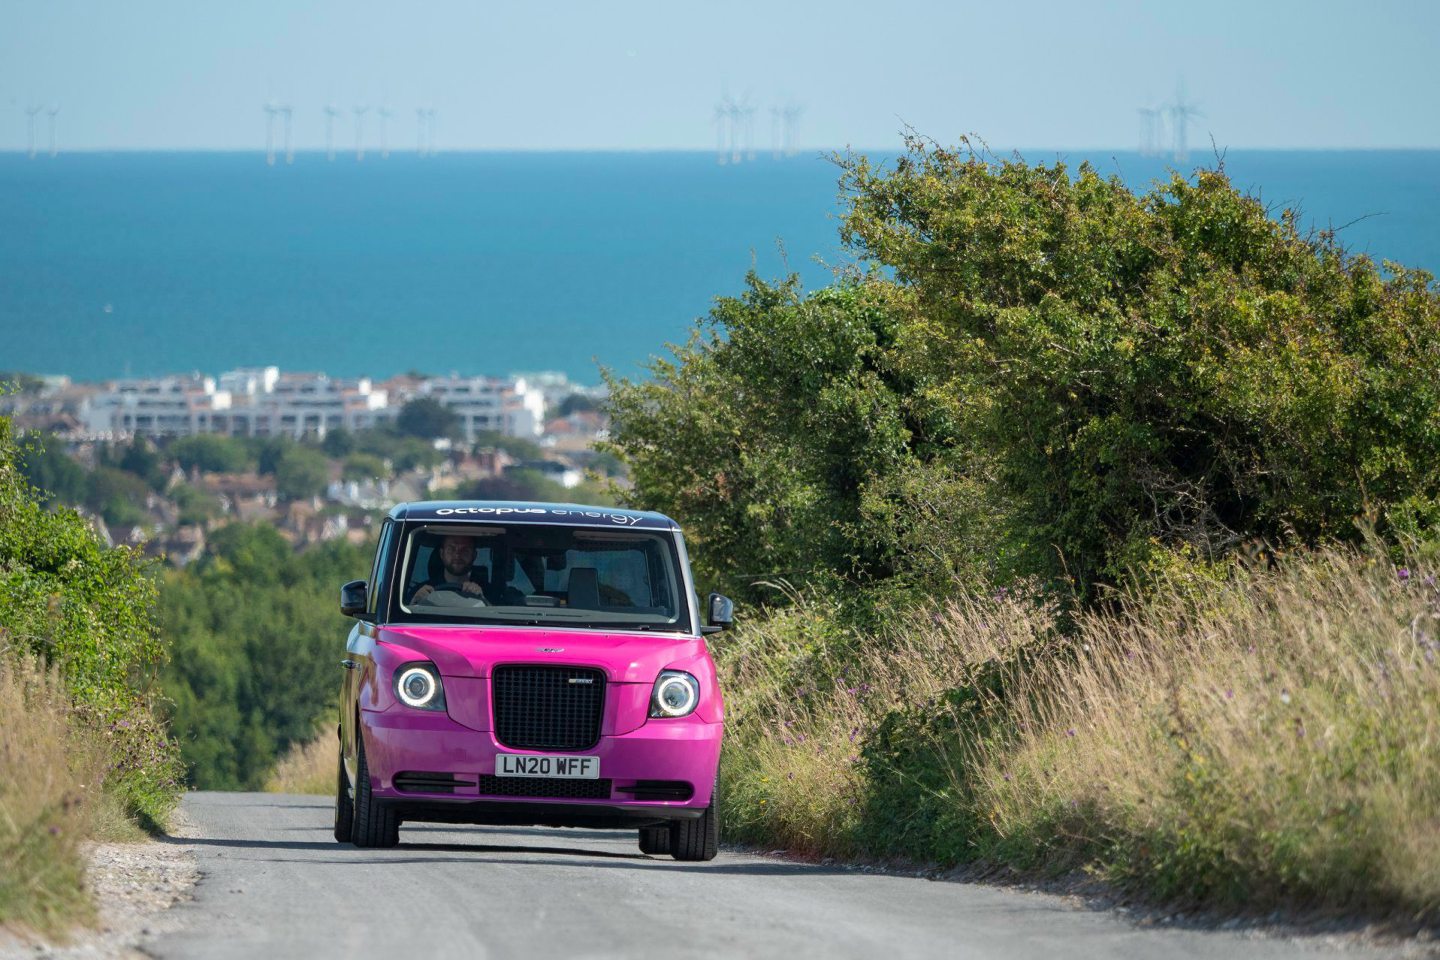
51,112
286,111
748,110
360,132
30,127
430,131
384,114
1181,111
270,111
331,112
733,111
1147,130
722,114
420,131
793,113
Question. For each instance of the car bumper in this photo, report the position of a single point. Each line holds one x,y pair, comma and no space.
409,754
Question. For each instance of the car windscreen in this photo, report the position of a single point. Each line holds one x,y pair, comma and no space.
539,574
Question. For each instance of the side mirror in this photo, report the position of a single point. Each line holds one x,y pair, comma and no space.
722,611
355,598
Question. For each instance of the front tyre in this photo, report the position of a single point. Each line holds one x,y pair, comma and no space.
696,839
375,824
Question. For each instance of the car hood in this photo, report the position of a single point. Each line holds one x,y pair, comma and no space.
472,651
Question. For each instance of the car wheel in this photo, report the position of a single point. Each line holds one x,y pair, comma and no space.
696,839
344,804
655,839
375,824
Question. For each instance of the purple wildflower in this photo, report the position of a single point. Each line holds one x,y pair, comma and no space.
1403,573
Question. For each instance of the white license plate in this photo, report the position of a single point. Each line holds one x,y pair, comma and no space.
529,765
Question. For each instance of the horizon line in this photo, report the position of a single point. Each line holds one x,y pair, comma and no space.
343,155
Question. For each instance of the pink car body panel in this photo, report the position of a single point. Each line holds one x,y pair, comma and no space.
633,745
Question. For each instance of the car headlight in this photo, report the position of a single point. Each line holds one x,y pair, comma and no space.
418,685
676,694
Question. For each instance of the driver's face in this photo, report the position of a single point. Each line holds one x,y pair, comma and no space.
457,554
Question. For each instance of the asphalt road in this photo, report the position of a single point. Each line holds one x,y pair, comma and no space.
274,885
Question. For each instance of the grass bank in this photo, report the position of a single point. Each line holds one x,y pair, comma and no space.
1267,741
307,767
51,799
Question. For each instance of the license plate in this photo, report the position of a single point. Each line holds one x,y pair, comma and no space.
528,765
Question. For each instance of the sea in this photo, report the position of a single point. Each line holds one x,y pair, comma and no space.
142,264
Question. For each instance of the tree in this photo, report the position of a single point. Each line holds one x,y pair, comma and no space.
577,403
140,459
54,473
338,443
1053,376
118,497
427,419
209,453
363,466
301,474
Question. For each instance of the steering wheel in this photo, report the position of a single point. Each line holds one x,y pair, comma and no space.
449,587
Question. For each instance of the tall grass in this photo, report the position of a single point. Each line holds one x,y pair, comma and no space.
307,767
51,770
1269,740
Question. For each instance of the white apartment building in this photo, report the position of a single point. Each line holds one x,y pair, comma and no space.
268,403
512,407
178,406
255,402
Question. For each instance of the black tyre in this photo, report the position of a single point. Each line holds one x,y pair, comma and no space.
696,839
375,824
655,839
344,804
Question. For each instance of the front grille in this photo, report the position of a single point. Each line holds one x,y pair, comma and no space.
551,787
539,708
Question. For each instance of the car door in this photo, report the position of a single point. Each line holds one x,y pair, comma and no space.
358,662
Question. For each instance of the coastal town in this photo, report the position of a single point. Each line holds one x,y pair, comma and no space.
160,463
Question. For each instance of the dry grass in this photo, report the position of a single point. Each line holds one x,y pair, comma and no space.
50,787
307,768
1274,740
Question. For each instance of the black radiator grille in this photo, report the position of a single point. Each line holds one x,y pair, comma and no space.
548,708
552,787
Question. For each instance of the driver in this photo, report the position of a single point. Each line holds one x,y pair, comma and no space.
457,555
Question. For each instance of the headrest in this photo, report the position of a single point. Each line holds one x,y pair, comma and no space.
584,589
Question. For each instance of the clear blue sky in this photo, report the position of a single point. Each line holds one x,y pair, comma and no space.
147,74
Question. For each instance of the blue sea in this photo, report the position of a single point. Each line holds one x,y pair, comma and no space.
150,263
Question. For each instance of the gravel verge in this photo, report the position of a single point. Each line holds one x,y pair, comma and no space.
135,885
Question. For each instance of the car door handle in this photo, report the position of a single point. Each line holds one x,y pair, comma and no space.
349,664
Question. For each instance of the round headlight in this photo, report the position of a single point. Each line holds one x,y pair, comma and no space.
676,695
416,687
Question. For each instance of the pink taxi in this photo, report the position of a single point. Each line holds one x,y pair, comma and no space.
530,663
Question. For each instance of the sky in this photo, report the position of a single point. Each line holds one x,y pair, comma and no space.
562,75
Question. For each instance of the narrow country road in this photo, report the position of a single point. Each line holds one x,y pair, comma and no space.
274,885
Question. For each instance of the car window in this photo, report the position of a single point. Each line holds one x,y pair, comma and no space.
536,573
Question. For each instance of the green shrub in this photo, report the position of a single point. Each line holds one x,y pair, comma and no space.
89,610
1046,375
